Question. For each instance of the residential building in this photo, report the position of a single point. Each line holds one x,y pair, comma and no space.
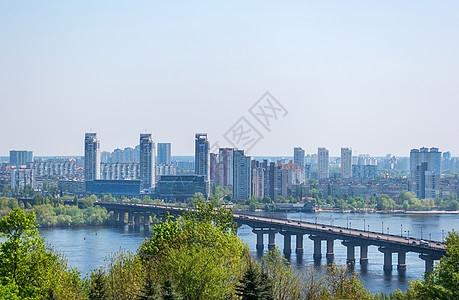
323,161
425,172
299,157
119,171
20,178
164,153
202,155
257,179
225,166
21,157
91,157
241,175
346,163
147,161
213,167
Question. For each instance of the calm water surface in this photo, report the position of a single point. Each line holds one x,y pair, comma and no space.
87,248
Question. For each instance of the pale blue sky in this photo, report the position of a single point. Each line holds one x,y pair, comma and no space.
378,76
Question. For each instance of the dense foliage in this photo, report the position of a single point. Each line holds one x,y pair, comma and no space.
53,212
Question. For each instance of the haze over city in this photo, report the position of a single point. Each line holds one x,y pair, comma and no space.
378,77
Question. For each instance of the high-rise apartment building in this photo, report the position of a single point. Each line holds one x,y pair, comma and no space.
20,178
425,172
202,155
346,163
299,157
91,157
323,161
147,161
242,175
21,157
164,153
225,166
213,167
257,179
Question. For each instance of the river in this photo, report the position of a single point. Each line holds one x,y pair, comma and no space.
87,248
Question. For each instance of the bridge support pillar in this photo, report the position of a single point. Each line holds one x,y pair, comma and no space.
364,254
387,258
137,220
260,244
121,216
401,260
317,246
116,215
146,220
350,252
330,250
429,260
299,243
287,242
272,239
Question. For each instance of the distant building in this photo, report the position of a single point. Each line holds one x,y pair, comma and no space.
323,161
21,157
425,172
346,163
277,181
114,187
299,157
257,179
225,166
164,153
241,175
364,171
91,157
119,171
127,155
162,170
213,167
147,161
181,187
201,155
71,186
20,178
65,169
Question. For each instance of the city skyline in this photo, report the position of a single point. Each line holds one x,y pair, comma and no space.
333,152
360,74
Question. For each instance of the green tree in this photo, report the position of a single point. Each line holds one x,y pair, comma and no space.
443,282
200,253
98,289
254,285
28,267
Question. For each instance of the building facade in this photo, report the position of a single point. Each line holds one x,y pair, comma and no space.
91,157
425,172
21,157
323,162
164,153
202,155
225,166
20,178
147,161
241,175
346,163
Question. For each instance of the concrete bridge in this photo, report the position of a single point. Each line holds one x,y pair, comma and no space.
139,214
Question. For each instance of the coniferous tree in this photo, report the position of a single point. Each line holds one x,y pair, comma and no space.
254,285
169,292
98,288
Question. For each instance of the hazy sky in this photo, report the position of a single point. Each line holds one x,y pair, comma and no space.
378,76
